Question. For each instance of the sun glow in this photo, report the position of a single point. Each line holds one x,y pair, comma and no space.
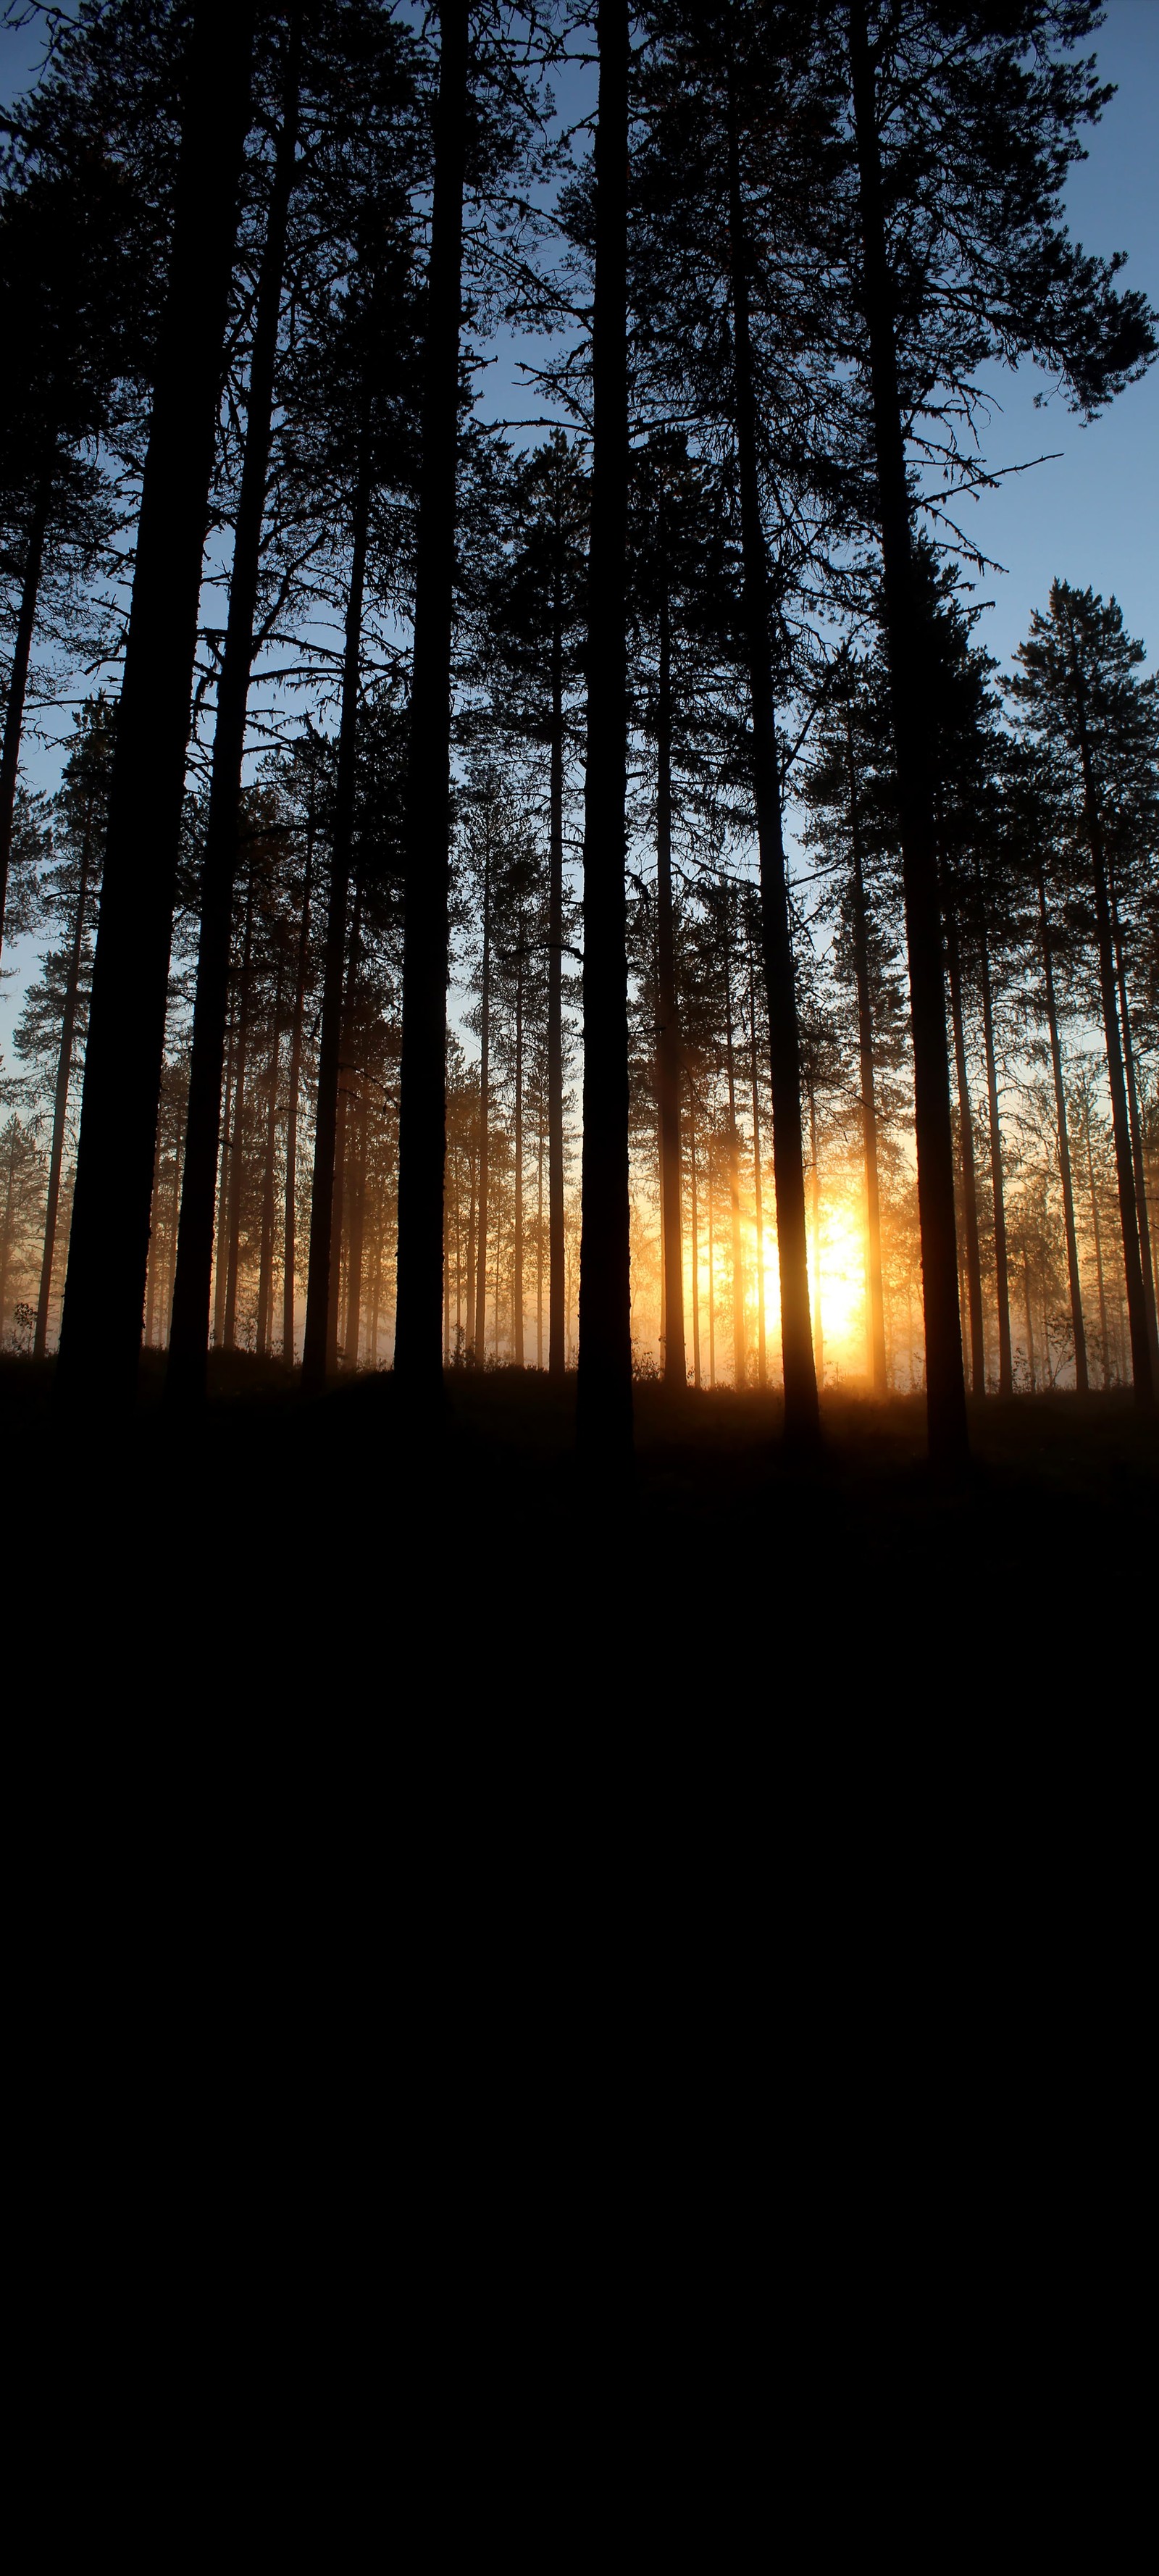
837,1275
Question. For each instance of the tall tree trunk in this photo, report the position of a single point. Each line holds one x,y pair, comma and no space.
189,1339
153,1264
1072,1253
711,1268
221,1253
470,1352
762,1354
1029,1324
60,1098
423,1092
873,1280
237,1157
818,1320
695,1250
539,1247
738,1330
479,1335
266,1266
1105,1340
18,680
174,1208
1136,1126
349,1094
357,1230
518,1246
1120,1119
1001,1257
324,1245
557,1252
905,646
604,1393
668,1047
802,1415
291,1214
969,1163
104,1292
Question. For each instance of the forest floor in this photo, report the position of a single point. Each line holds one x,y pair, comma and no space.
457,1574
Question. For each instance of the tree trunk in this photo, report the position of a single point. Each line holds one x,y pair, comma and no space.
423,1091
969,1165
695,1252
1029,1324
291,1213
539,1247
604,1392
1128,1207
188,1342
153,1264
738,1330
518,1247
479,1334
818,1319
221,1254
668,1048
324,1246
60,1100
802,1416
873,1281
101,1329
171,1266
1136,1139
762,1355
237,1157
557,1252
266,1268
349,1094
18,681
711,1270
470,1351
357,1231
1072,1252
1106,1346
912,726
1001,1258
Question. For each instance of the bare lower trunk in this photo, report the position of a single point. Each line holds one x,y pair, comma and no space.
1029,1324
269,1179
875,1298
290,1254
762,1356
237,1157
968,1166
220,1255
695,1253
60,1101
1137,1155
479,1332
1098,1235
1001,1260
518,1246
738,1325
324,1247
668,1036
1072,1255
818,1325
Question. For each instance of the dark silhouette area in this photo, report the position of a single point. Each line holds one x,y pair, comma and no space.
553,960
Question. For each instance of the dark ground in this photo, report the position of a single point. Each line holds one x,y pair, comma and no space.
271,1560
